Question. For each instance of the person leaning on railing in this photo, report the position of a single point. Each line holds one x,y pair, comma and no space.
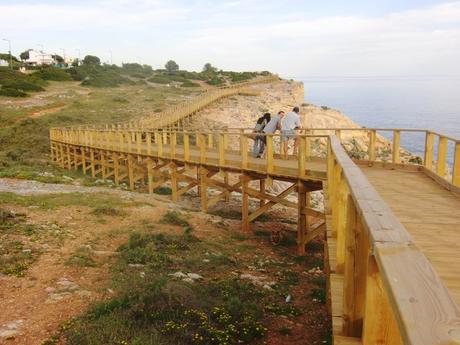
271,127
259,143
289,127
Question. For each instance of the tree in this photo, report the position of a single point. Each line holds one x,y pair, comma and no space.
209,68
76,63
91,60
24,55
172,67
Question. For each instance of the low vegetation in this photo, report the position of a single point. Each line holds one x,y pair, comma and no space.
171,289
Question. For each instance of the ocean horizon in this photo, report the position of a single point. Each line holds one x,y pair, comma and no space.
392,102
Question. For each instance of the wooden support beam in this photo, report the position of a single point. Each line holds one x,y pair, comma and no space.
371,148
429,145
83,159
149,163
396,147
262,191
302,221
341,207
131,171
245,203
203,172
456,169
355,272
116,168
280,197
441,164
379,326
93,164
174,182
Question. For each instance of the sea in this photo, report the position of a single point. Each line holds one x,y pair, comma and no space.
393,102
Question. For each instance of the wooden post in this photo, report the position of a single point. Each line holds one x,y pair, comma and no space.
429,144
93,165
186,146
302,155
244,150
379,326
173,144
245,203
202,145
103,164
456,170
371,149
116,168
302,221
396,146
174,182
221,149
210,141
262,191
83,160
150,175
227,192
340,223
159,140
131,172
441,164
69,161
149,143
355,272
270,162
203,188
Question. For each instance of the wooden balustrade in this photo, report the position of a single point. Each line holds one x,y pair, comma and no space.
391,293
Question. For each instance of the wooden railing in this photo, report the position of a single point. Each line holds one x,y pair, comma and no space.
170,118
222,149
391,293
435,162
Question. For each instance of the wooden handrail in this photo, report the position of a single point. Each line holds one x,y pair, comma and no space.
390,287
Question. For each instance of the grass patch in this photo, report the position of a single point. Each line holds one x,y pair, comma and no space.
108,211
83,257
15,259
53,201
175,218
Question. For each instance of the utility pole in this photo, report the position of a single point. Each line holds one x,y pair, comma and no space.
111,63
79,62
9,51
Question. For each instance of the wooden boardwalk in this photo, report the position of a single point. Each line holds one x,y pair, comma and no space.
393,229
430,213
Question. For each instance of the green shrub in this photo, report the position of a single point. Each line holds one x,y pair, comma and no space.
189,83
215,81
51,73
12,92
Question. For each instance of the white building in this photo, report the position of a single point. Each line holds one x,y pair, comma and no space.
38,58
4,63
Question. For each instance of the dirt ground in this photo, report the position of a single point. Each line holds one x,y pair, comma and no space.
52,291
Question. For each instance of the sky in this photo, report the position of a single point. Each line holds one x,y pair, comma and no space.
293,38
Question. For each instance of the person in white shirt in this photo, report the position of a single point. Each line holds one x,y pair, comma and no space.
289,125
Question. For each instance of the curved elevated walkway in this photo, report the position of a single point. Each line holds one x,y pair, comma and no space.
393,229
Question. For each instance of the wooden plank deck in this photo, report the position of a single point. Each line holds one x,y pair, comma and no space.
430,213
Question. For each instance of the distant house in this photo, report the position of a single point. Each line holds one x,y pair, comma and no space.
39,58
3,63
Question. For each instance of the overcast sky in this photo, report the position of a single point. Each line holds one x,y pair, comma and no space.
291,37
